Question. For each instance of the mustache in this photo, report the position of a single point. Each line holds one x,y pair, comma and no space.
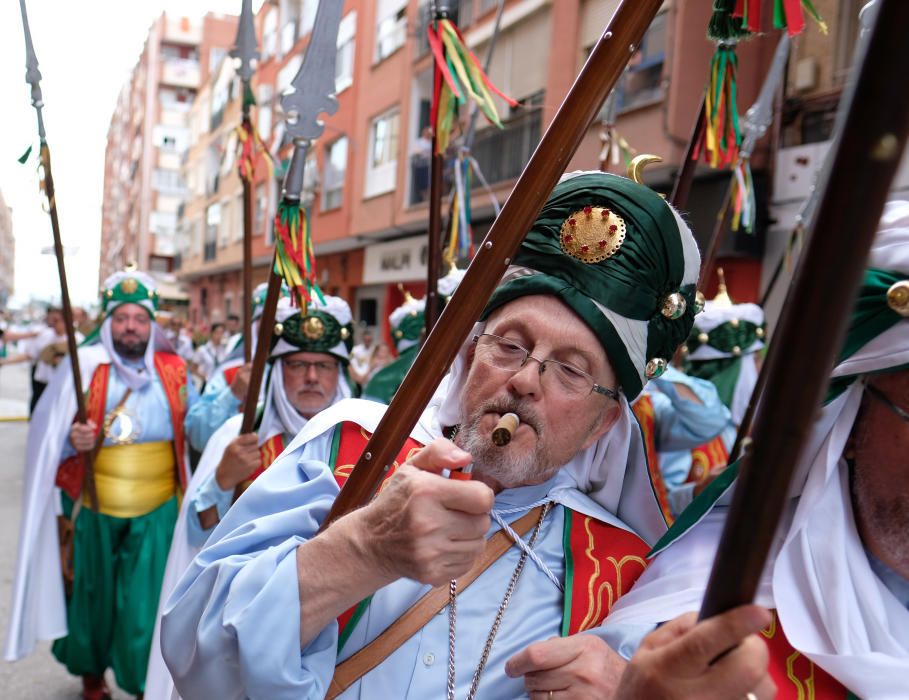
526,412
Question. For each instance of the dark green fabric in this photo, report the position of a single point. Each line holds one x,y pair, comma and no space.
725,337
723,373
871,316
386,381
119,565
111,299
410,327
633,283
332,334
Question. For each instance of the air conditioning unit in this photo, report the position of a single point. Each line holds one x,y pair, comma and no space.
796,169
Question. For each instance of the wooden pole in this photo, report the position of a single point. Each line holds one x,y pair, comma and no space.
578,111
249,206
682,187
866,156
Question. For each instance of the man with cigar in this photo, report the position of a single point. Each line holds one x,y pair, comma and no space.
600,294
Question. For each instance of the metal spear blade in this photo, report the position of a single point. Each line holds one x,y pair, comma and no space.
32,74
246,48
312,90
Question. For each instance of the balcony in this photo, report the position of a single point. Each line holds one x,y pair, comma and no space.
180,72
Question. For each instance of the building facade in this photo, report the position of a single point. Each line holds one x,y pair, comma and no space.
148,135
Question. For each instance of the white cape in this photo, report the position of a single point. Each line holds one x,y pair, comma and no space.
38,610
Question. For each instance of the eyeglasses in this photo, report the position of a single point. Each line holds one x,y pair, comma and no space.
323,367
876,393
557,377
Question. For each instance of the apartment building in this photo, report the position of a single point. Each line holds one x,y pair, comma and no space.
148,134
365,190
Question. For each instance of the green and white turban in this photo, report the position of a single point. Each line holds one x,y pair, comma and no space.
407,323
322,327
623,260
129,287
722,348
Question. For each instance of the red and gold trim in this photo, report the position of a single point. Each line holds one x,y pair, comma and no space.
602,562
71,472
351,445
796,676
231,373
706,457
643,411
171,371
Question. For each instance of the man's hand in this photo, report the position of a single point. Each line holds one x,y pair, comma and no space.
674,661
240,459
425,527
82,436
580,666
240,385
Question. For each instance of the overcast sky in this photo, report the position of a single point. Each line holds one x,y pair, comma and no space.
86,50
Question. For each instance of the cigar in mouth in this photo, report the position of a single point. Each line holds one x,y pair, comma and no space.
501,434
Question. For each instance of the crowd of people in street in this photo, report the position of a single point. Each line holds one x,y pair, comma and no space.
189,557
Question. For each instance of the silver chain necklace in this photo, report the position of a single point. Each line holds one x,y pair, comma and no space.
490,638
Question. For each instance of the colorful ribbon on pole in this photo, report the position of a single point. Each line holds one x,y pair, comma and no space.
250,145
295,260
737,19
457,76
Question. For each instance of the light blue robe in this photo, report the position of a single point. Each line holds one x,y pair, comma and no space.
148,405
231,629
681,425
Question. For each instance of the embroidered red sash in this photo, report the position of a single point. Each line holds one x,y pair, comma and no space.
171,370
643,411
706,457
795,675
602,562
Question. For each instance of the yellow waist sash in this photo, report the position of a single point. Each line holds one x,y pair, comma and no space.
133,480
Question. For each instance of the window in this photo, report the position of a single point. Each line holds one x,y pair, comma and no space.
261,214
270,34
335,168
642,81
239,218
308,16
382,162
344,62
225,229
391,27
264,103
503,153
212,223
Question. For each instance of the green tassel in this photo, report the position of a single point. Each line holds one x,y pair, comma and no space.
24,156
723,26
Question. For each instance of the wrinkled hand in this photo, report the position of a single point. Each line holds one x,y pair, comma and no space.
240,459
673,661
82,436
240,385
580,666
708,479
425,527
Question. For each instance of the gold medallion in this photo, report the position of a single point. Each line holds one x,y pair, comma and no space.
129,285
592,234
313,328
898,297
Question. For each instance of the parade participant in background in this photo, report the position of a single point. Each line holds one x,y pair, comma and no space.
112,559
211,353
44,351
361,356
566,340
226,388
309,373
677,413
408,328
838,577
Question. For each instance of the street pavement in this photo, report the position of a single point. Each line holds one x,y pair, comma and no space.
39,676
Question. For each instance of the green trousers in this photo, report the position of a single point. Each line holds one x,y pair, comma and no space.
118,567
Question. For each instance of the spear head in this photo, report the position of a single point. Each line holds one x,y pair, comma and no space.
32,74
246,48
760,115
312,90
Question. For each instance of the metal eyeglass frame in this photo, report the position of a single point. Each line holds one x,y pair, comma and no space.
595,388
